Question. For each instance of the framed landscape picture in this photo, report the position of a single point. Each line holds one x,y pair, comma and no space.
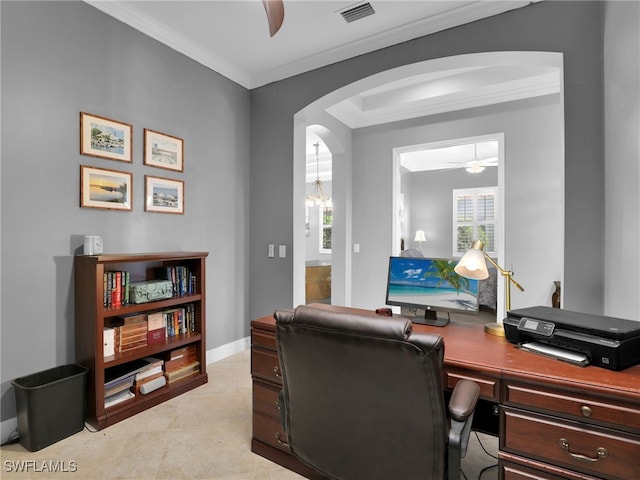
163,151
103,188
105,138
163,195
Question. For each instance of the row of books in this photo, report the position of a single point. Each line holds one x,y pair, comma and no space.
181,277
125,333
116,288
175,320
116,283
143,376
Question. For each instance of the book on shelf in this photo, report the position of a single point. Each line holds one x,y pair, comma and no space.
139,383
183,372
116,288
181,277
129,332
108,341
154,366
118,398
118,386
113,374
180,357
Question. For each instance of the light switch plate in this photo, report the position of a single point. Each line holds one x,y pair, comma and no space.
282,251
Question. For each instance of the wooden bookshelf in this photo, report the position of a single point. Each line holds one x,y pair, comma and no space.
92,316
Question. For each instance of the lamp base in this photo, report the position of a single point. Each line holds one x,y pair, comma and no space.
496,329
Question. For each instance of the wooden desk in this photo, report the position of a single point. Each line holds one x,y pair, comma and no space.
552,417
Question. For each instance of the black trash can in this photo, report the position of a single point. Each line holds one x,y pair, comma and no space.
51,405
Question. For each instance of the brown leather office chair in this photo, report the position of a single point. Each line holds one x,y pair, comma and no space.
362,397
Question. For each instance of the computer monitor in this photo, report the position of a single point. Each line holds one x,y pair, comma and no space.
430,284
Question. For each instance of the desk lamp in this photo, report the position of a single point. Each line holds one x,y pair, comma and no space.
473,265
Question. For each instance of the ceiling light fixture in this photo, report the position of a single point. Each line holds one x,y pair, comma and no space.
317,196
475,165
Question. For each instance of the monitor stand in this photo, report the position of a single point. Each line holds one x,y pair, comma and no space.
433,318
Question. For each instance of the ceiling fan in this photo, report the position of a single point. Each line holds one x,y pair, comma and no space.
275,14
477,165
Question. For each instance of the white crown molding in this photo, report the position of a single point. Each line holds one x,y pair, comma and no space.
160,32
459,16
492,94
132,17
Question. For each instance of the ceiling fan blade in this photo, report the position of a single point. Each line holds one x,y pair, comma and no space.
275,14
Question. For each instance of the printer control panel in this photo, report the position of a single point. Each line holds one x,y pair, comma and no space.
536,326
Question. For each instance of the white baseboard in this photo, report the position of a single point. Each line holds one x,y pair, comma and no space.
7,427
228,349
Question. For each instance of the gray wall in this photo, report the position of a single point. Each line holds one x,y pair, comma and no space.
622,156
533,192
431,206
60,58
574,28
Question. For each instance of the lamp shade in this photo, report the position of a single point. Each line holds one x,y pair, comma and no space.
420,236
473,264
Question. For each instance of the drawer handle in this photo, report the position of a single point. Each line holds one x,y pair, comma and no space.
276,371
277,402
586,411
601,452
280,441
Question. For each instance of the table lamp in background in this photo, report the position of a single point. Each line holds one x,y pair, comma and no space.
473,265
420,237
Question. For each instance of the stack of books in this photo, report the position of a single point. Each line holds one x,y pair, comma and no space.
181,363
119,380
151,372
130,332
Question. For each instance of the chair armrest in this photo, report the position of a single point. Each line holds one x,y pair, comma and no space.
461,408
463,400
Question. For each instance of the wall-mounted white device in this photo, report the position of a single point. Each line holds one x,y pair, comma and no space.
92,245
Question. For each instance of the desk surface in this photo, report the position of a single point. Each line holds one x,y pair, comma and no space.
468,346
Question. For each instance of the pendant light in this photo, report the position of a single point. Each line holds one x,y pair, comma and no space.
317,196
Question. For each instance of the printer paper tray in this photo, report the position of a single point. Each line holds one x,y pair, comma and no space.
554,352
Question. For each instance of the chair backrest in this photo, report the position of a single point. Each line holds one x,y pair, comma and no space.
362,394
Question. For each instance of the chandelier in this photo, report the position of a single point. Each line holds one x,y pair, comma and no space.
317,196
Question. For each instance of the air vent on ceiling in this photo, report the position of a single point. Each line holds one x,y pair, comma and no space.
357,12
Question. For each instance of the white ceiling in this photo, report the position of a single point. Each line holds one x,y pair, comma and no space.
232,38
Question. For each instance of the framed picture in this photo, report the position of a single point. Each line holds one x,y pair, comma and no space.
103,188
163,151
163,195
105,138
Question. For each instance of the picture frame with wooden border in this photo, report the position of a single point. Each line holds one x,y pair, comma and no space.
163,195
105,188
163,151
103,137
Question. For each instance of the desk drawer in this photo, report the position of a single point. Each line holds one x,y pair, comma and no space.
489,389
268,430
263,339
581,407
265,364
265,399
541,437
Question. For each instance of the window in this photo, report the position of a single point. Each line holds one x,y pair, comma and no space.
326,219
474,218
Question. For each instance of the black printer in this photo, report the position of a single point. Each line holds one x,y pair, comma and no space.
608,342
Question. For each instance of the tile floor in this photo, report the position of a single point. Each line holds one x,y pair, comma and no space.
203,434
